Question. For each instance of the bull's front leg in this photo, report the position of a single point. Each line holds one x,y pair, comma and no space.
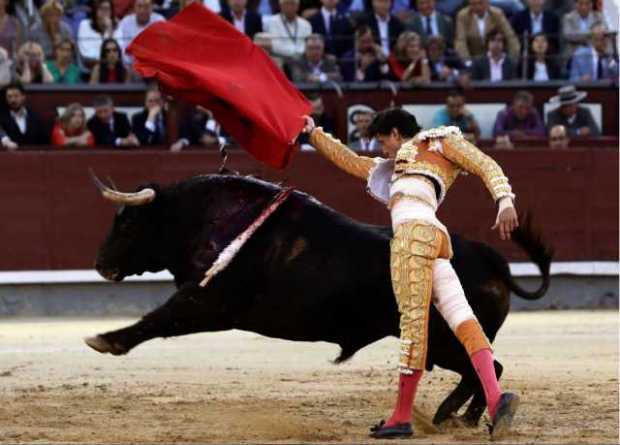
191,309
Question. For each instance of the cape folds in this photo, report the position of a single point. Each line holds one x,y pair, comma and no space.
200,58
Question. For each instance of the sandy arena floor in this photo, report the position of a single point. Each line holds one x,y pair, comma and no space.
241,387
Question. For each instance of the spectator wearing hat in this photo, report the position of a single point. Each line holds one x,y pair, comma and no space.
577,119
520,119
558,138
594,62
496,65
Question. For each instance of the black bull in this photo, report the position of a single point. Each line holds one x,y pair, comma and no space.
309,273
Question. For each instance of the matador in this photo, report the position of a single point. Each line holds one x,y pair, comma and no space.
413,181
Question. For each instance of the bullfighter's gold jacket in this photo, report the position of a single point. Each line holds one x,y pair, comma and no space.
440,154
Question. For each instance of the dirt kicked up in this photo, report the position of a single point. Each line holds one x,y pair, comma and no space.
241,387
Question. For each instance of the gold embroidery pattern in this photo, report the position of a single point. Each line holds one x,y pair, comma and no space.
341,155
416,244
470,158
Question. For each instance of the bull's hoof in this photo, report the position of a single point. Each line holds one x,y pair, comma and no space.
100,344
508,404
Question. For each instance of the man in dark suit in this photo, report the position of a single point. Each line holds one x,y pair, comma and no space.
334,26
246,21
149,125
365,63
427,22
21,125
110,127
535,20
385,27
577,119
496,65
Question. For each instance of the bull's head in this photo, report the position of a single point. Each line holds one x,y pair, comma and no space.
130,246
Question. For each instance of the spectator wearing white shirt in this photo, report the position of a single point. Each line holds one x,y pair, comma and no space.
287,31
496,65
133,24
101,25
385,26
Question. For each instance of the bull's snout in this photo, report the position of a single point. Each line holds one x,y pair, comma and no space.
109,274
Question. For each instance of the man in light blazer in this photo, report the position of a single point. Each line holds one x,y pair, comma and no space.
594,62
576,25
474,22
428,22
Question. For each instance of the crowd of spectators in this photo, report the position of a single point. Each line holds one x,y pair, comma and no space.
313,41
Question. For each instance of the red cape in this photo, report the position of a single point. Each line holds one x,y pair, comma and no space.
201,58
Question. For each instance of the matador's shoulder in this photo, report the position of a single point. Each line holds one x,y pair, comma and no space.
437,133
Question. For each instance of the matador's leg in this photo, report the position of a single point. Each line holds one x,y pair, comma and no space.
414,247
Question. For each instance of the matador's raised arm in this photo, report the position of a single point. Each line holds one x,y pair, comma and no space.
468,157
341,155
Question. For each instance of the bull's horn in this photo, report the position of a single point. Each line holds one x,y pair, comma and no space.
129,199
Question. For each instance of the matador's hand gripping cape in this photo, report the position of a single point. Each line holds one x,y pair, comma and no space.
201,58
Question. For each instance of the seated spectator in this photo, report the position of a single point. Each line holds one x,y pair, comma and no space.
149,125
110,127
558,138
21,125
577,119
201,130
520,119
366,62
542,67
427,22
62,68
445,64
496,66
70,130
334,26
51,29
536,21
288,31
110,68
246,21
133,24
359,139
408,61
474,23
576,25
30,66
6,68
385,27
99,26
456,114
314,65
11,32
594,62
321,118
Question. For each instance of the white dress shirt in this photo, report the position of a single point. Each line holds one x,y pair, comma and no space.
384,34
434,26
20,119
537,22
540,71
480,21
497,74
327,16
129,29
89,41
239,23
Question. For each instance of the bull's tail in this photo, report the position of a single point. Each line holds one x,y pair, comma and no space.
530,240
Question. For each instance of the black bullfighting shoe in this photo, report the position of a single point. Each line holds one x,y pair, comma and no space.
506,409
397,431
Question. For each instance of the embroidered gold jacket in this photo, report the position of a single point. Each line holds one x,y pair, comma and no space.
440,154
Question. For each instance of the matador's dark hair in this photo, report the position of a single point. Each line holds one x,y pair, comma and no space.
391,118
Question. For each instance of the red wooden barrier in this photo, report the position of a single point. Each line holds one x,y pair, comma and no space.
52,217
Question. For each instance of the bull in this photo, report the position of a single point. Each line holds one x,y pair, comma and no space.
307,274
